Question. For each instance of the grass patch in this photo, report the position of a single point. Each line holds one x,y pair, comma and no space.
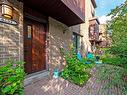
115,74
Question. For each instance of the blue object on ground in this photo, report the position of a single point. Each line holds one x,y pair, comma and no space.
97,58
87,62
79,56
98,62
90,56
56,73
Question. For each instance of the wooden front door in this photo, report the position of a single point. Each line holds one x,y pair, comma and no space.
34,46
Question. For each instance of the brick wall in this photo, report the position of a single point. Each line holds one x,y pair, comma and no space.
59,37
11,36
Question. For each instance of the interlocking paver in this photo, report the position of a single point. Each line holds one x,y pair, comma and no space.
51,86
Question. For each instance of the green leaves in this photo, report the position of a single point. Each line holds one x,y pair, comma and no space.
7,89
75,71
11,78
118,26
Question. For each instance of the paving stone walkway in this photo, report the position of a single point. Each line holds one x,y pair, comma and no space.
50,86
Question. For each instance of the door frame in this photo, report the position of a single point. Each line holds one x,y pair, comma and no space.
46,25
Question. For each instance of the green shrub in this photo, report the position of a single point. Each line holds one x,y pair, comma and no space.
112,59
118,28
76,71
11,78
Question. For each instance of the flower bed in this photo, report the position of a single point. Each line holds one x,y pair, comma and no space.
76,71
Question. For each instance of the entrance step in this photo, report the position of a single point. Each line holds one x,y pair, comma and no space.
34,77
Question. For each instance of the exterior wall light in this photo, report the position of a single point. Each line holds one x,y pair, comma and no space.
7,10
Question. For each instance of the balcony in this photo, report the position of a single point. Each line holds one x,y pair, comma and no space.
69,12
103,43
94,3
93,36
94,30
94,21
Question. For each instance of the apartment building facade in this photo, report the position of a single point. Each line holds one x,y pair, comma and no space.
35,30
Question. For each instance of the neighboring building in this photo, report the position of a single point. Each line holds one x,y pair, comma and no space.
84,41
105,39
35,30
94,33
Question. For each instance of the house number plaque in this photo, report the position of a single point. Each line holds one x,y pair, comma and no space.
8,21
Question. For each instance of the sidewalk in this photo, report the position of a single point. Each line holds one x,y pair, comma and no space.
50,86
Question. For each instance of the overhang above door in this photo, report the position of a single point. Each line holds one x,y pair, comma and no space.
69,12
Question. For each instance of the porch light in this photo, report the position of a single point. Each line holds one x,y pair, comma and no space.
7,10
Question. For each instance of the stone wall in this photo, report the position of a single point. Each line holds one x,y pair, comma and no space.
59,37
11,36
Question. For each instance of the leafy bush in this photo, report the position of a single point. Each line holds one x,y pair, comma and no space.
118,28
112,59
75,71
11,78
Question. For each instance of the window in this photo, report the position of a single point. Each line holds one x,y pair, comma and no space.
29,30
76,42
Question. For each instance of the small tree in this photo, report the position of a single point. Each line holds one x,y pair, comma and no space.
118,26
